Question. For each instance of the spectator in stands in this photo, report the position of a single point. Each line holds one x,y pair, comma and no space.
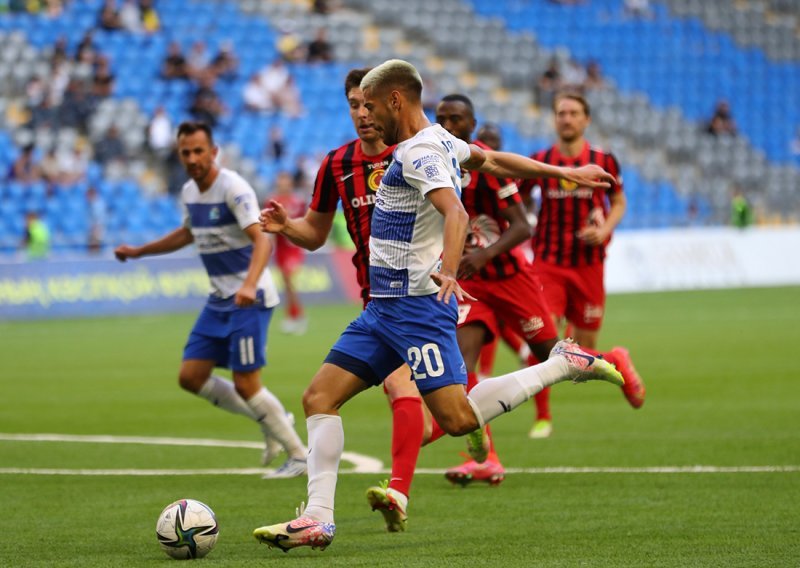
103,80
320,49
110,148
574,76
323,7
109,16
280,89
255,95
130,16
198,60
73,166
277,145
51,168
722,122
37,237
59,53
290,45
159,134
25,168
207,106
175,65
87,51
549,83
97,220
76,108
637,9
594,77
225,64
151,23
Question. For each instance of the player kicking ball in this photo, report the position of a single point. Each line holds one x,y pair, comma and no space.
418,231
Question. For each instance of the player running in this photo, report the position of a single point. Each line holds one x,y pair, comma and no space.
417,237
221,219
575,224
351,175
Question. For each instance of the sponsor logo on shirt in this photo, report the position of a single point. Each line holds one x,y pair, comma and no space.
213,214
425,160
432,172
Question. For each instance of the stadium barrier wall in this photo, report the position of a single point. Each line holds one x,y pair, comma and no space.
637,261
703,258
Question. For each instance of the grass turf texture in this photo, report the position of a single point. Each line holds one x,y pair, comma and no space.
723,390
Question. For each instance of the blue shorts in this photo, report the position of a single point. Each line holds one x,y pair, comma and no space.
235,339
418,330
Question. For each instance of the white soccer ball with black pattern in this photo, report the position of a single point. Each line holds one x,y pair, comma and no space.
187,529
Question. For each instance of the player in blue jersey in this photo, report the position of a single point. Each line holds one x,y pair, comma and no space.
418,232
221,219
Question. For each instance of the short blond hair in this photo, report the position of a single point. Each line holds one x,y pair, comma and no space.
395,74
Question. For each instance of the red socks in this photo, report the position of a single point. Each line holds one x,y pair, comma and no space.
407,431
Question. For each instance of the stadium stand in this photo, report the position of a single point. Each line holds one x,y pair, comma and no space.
648,114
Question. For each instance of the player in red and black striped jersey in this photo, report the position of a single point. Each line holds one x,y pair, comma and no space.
351,174
574,226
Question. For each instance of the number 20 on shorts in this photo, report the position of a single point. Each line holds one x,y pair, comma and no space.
431,359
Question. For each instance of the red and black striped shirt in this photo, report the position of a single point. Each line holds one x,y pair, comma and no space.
347,174
565,209
485,197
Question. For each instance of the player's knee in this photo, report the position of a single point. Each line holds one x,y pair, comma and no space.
316,401
191,382
400,386
459,425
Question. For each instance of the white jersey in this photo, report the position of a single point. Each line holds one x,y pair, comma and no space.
406,239
216,218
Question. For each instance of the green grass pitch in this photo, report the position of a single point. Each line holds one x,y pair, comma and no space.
723,390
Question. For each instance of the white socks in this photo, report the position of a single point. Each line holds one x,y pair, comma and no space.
492,397
325,447
221,392
271,415
263,407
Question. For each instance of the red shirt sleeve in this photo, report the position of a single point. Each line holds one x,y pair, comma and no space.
325,197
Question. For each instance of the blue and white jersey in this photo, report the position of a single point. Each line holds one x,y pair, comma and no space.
216,219
406,240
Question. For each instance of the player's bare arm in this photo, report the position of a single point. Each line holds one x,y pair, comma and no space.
506,164
262,248
519,230
449,205
309,232
170,242
598,233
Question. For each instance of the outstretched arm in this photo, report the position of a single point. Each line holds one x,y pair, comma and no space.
506,164
449,205
309,232
173,241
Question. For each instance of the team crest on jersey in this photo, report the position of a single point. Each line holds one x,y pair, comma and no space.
213,214
432,171
567,185
374,179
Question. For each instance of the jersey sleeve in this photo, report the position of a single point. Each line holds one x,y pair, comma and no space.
186,219
612,167
505,190
462,150
425,168
325,197
242,201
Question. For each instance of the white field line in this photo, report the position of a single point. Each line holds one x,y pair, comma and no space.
363,464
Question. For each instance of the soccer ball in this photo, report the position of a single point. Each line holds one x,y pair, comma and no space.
187,529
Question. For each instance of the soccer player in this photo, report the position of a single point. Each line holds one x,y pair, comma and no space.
350,175
575,223
288,256
221,218
416,240
495,270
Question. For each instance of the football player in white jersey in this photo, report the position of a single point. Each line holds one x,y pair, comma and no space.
418,232
221,218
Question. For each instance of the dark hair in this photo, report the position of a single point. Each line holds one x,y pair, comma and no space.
458,98
353,79
572,95
192,126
